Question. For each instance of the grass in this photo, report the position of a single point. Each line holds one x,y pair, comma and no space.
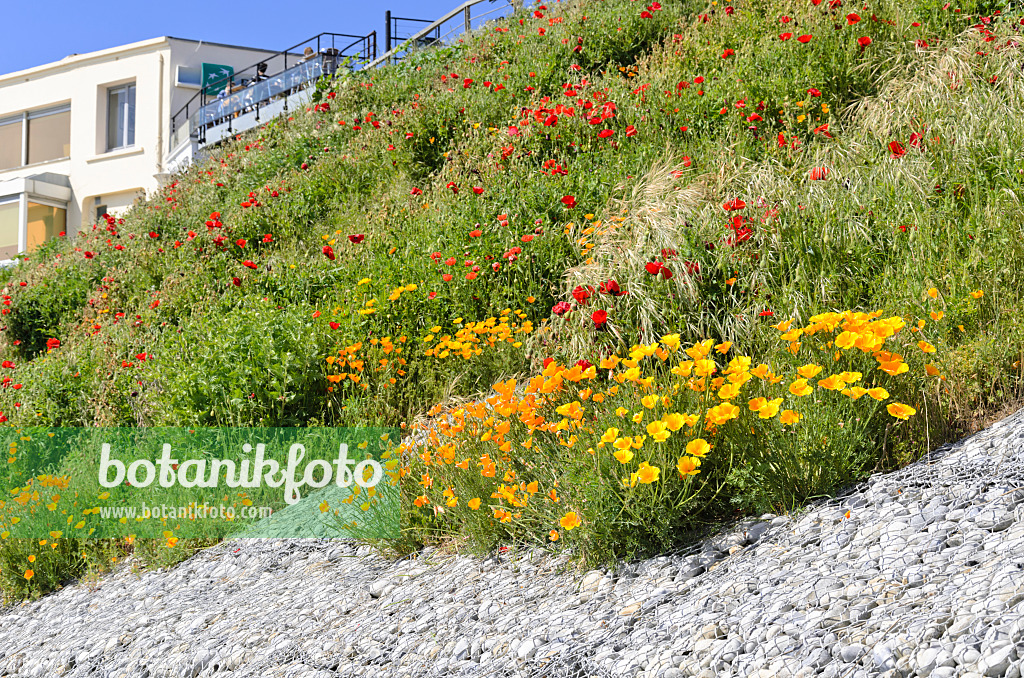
406,241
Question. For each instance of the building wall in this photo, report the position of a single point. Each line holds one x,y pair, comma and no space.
98,176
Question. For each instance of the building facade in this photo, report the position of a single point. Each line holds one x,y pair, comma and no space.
90,134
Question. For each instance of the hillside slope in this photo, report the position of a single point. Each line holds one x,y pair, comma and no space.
591,183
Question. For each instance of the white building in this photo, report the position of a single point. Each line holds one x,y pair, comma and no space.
93,132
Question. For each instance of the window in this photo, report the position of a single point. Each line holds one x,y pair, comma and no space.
10,142
46,132
49,135
121,117
9,218
44,222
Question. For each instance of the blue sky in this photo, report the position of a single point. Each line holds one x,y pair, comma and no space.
39,32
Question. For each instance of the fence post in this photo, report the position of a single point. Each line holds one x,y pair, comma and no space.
387,33
467,19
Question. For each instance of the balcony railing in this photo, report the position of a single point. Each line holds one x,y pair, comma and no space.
250,89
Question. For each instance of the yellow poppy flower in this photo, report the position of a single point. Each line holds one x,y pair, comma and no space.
570,521
698,447
624,456
808,371
688,466
789,417
647,474
900,411
800,388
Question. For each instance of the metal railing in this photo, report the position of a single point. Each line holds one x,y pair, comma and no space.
272,78
251,88
455,22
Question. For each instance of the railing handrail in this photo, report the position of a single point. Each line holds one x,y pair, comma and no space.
284,52
433,26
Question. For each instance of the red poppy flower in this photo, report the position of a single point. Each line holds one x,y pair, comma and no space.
478,189
416,191
727,53
328,252
240,242
581,294
631,131
766,314
52,344
818,173
476,234
915,139
686,161
236,282
154,234
785,36
599,318
569,201
692,268
466,83
804,39
653,267
249,264
605,133
333,325
561,308
897,149
611,287
551,120
852,18
527,238
864,42
267,238
734,204
447,277
357,239
471,275
814,92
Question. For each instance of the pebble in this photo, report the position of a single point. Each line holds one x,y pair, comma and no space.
923,579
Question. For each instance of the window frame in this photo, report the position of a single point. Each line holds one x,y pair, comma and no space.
127,125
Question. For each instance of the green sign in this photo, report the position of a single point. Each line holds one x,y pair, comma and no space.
216,77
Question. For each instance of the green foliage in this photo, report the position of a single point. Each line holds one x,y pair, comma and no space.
41,311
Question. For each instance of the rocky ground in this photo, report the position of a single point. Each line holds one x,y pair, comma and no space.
924,577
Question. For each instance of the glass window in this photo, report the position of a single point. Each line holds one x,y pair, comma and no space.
120,117
8,230
10,144
44,222
49,137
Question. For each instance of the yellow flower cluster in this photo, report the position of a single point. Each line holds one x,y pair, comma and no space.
470,340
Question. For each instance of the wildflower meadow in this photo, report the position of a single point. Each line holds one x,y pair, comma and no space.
618,271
